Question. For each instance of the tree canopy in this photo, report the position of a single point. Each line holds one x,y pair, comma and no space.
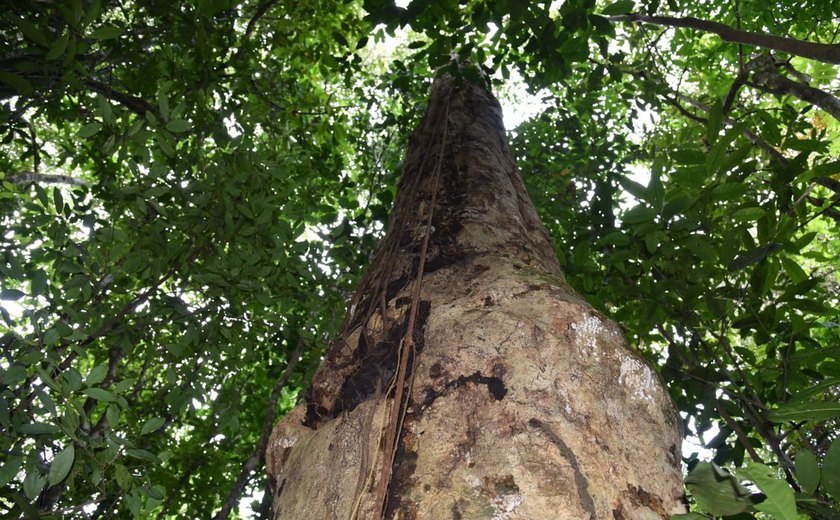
191,189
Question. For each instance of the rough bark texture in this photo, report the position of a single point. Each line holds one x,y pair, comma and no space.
520,400
766,77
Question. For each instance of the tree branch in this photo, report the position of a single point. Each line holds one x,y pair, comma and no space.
28,177
765,77
137,105
259,452
825,52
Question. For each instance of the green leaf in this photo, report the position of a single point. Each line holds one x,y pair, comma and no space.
32,32
11,295
58,47
793,270
634,188
748,214
810,411
112,415
106,32
123,477
165,144
96,375
178,125
33,483
831,470
100,394
14,374
10,469
638,214
38,284
61,465
17,82
105,110
822,170
89,130
620,7
134,503
702,248
5,417
807,470
152,425
717,491
142,455
58,200
38,429
72,379
716,158
689,516
715,121
730,190
163,104
780,501
688,156
819,388
753,256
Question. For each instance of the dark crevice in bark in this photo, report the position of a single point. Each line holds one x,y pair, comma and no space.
402,476
581,481
639,497
374,367
495,387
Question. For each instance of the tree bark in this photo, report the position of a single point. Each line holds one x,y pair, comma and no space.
469,380
766,77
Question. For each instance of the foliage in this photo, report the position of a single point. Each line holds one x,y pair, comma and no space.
191,189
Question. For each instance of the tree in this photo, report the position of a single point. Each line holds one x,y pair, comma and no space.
189,192
469,380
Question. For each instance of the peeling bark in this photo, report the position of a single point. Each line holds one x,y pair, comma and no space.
520,401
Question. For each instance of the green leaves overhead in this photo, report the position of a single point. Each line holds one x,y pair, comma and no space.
188,192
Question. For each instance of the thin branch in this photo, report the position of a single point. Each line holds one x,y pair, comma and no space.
739,432
137,105
28,177
80,508
829,53
261,11
740,80
259,452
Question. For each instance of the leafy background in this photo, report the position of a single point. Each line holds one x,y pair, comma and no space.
191,189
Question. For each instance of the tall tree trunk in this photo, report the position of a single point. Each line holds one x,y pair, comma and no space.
469,380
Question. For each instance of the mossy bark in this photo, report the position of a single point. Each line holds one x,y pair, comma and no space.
520,400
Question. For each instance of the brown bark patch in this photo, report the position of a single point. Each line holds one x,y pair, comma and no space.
641,498
373,369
